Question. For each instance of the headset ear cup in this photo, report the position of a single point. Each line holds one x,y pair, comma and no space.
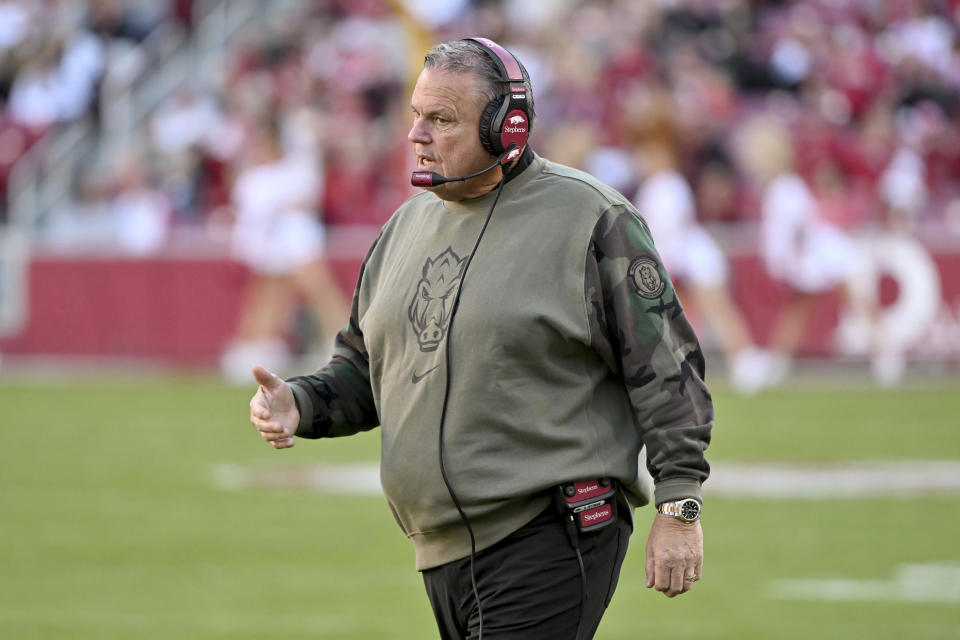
488,136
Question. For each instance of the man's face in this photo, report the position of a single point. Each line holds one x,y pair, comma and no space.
445,134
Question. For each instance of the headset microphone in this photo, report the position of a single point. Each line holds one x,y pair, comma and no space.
434,179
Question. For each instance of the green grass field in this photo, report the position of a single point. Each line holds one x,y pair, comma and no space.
112,525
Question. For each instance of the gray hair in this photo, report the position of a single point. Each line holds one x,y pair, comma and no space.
467,56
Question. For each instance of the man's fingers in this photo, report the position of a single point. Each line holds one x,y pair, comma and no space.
669,578
274,434
270,433
677,584
674,553
265,424
258,409
674,581
662,576
658,573
687,583
671,582
265,379
261,410
269,430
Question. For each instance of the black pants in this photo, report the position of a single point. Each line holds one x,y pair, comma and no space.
530,583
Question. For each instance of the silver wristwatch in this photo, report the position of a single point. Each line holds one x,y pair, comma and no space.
686,510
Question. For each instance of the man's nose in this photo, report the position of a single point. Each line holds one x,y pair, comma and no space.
418,133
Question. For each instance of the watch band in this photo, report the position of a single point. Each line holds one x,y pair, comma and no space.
681,509
669,509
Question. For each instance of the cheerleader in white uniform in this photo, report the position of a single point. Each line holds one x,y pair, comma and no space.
279,236
695,261
799,248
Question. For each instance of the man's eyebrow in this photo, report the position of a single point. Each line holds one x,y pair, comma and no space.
439,111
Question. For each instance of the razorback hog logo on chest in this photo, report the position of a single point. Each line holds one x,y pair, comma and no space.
429,310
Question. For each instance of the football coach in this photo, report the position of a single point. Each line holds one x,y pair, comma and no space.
518,342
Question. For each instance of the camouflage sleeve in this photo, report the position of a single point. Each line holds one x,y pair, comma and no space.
337,399
639,328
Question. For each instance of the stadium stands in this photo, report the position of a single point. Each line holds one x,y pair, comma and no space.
869,90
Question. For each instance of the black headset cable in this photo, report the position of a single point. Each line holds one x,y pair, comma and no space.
446,398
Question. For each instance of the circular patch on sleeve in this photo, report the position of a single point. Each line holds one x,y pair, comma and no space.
645,276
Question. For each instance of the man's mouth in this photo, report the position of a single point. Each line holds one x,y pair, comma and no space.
424,162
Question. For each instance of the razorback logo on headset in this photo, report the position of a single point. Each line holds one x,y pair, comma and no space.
511,109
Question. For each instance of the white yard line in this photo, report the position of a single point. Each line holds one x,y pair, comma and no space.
359,478
928,583
835,479
846,480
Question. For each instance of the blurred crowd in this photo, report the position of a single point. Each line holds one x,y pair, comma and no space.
856,103
870,92
54,58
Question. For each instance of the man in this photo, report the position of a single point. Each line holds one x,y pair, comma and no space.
565,354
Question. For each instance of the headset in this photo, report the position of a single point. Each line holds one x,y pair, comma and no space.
504,122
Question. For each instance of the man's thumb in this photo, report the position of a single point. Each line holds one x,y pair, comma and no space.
266,379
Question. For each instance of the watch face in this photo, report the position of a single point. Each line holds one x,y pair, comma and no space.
689,510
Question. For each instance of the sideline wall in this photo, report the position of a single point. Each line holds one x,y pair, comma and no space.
182,311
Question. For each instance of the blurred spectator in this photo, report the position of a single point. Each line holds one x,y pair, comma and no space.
58,81
132,20
85,222
188,119
15,24
695,262
15,140
118,209
195,141
53,58
279,236
799,246
142,212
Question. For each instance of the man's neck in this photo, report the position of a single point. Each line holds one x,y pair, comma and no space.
514,169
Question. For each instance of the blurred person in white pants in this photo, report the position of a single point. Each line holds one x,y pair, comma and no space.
799,247
887,332
695,261
279,236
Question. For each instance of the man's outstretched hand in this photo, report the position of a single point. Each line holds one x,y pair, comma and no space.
674,555
272,409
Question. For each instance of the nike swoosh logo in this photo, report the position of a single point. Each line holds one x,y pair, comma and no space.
417,378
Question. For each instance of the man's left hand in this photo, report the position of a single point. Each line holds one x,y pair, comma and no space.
674,555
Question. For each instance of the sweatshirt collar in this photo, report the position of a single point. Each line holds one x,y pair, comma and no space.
523,172
525,159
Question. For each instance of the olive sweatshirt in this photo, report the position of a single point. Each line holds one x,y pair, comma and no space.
569,352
